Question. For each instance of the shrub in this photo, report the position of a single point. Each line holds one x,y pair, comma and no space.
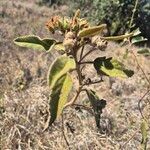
116,14
77,33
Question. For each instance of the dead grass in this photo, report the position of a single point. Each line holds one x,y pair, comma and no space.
24,92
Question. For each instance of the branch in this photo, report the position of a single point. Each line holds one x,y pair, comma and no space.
139,102
63,131
93,82
86,62
140,67
90,51
134,10
81,54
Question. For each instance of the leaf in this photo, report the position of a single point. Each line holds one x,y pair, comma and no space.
111,67
60,67
144,51
59,46
93,98
97,104
116,38
59,96
35,42
136,32
144,128
89,32
138,39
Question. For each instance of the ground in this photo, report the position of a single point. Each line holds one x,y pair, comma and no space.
24,94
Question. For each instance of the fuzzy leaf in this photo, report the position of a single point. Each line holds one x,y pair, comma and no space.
91,31
35,42
59,96
93,98
60,67
111,67
97,104
116,38
59,46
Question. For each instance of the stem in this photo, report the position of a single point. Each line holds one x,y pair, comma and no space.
134,10
75,50
139,102
145,78
78,70
79,73
89,109
63,131
86,62
74,98
81,52
94,82
132,136
85,55
141,68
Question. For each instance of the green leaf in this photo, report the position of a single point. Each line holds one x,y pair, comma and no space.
136,32
59,46
97,105
89,32
60,67
93,98
138,39
111,67
116,38
144,128
35,42
59,96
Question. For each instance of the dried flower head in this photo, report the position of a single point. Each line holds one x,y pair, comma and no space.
53,23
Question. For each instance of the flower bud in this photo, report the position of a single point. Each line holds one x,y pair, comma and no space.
68,43
70,35
97,41
94,40
52,24
102,45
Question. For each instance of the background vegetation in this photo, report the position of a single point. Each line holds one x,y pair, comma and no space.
115,13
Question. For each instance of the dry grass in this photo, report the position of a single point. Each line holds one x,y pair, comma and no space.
24,92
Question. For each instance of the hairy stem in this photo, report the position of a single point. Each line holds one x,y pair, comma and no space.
78,70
